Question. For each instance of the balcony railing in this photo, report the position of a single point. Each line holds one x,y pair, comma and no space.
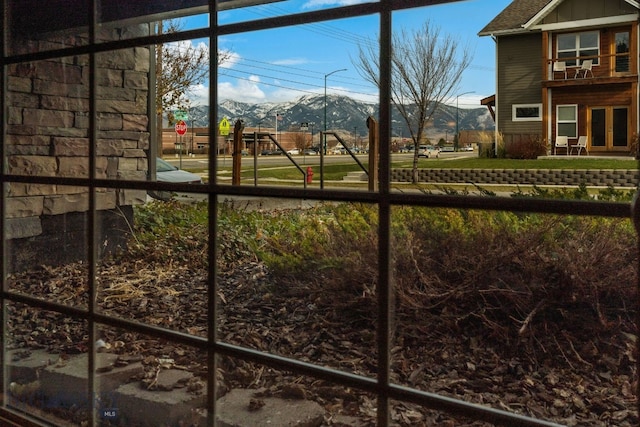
610,66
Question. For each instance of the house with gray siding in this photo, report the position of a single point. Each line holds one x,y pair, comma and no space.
567,68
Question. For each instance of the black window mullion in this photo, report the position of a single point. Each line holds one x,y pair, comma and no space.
91,217
212,280
385,290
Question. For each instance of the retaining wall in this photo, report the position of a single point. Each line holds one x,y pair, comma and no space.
589,177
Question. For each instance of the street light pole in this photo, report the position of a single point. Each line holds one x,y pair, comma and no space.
323,148
457,137
325,104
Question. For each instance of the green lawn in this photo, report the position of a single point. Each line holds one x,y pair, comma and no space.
560,163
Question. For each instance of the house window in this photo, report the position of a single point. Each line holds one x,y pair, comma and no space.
575,47
526,112
567,121
622,52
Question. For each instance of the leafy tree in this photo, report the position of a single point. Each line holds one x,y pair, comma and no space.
426,68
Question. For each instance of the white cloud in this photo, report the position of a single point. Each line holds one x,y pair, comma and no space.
198,95
243,91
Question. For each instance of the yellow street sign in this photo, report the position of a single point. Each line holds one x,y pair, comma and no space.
224,127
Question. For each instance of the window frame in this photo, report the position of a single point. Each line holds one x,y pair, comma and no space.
575,56
383,386
516,118
573,121
622,60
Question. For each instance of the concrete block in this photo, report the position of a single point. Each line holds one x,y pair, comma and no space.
65,381
145,408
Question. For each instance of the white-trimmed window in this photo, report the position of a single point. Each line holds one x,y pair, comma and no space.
567,121
579,45
526,112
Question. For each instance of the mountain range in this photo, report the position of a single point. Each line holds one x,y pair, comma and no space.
344,115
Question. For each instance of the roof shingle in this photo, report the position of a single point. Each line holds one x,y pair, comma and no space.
514,16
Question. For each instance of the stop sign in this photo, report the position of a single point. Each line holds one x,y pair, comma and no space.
181,127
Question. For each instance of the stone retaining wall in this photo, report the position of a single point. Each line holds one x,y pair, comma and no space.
598,178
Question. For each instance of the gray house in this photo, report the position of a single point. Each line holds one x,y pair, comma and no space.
568,69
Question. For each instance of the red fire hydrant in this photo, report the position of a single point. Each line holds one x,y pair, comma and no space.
309,175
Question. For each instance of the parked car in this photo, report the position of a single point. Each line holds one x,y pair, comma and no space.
310,152
429,151
294,151
166,172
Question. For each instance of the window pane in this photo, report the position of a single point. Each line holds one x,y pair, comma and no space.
589,40
39,219
622,42
274,8
37,25
160,276
48,124
566,41
567,129
566,113
527,112
254,74
122,113
143,380
620,127
591,54
622,47
462,270
305,314
569,54
46,365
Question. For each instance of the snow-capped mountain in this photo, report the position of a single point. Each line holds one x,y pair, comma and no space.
343,114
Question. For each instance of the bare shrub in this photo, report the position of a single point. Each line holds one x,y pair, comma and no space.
525,147
517,279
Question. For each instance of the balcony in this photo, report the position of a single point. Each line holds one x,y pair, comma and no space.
606,69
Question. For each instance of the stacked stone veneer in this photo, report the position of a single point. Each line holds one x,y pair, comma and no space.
47,135
589,177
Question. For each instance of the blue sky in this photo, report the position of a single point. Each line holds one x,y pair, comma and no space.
284,64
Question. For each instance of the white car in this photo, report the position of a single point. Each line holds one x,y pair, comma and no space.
429,151
166,172
293,152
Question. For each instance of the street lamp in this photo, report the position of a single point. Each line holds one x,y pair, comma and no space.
323,141
457,137
325,106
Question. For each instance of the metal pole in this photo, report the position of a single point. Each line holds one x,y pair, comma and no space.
323,148
325,106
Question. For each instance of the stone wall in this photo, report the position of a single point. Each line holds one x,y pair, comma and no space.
47,135
589,177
